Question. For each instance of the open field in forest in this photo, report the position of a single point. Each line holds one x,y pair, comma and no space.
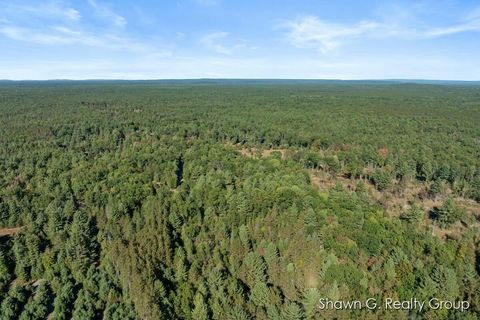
237,199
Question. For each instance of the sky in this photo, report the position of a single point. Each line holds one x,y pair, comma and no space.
289,39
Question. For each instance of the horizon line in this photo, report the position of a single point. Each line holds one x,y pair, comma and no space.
241,79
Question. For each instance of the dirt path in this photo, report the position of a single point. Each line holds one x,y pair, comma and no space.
252,152
9,231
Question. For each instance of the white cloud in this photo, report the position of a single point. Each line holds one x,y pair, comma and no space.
212,41
220,42
471,23
61,35
438,32
25,34
104,11
43,10
66,35
310,31
55,24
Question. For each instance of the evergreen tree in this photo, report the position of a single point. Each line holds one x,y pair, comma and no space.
449,213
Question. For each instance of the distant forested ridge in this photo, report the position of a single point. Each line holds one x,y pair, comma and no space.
237,199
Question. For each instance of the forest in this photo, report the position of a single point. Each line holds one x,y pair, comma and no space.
237,199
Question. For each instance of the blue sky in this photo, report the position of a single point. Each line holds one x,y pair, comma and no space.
147,39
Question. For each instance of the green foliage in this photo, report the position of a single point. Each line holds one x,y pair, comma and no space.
381,179
414,214
448,213
84,306
292,312
143,201
310,301
11,306
5,272
38,305
254,267
436,188
200,310
238,313
260,295
64,301
372,237
119,311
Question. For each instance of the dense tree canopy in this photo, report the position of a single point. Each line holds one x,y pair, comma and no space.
236,200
